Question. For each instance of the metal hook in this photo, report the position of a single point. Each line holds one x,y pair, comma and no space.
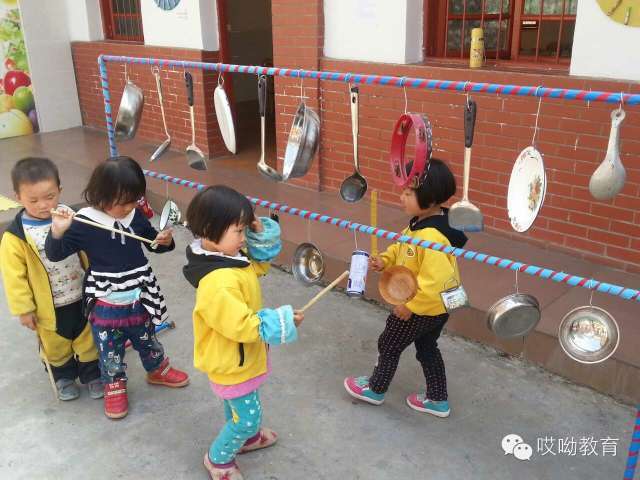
535,128
621,102
155,70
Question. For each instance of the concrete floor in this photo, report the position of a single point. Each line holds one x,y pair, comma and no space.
323,433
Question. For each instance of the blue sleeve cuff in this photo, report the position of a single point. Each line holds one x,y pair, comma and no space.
277,326
266,245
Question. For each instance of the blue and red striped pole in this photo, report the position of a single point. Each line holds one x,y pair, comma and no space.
634,447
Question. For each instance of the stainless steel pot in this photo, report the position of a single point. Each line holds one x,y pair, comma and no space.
514,315
304,139
130,112
308,264
589,334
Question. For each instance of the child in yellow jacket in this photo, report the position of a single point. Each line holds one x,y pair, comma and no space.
46,295
231,329
420,320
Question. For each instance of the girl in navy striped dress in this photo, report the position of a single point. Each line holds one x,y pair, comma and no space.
121,295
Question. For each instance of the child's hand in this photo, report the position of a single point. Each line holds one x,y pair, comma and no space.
164,238
376,264
402,312
256,226
298,317
29,320
61,219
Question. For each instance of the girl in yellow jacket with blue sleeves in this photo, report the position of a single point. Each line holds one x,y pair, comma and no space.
421,320
231,329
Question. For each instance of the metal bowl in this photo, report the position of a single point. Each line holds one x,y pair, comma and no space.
397,285
302,144
170,215
130,112
589,334
308,264
514,315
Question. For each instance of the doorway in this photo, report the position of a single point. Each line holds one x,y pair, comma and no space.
246,39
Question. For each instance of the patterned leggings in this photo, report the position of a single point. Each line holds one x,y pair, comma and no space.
396,337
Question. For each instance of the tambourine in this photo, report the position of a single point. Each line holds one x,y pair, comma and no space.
409,174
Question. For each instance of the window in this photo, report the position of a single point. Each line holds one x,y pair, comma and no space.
525,30
122,20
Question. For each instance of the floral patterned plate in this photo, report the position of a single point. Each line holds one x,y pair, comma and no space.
527,189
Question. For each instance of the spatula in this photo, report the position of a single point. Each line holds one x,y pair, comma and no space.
464,215
194,154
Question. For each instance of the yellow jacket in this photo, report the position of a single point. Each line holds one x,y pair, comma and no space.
227,342
26,282
435,271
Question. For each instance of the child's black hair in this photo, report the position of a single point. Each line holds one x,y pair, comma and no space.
116,181
33,170
438,185
213,210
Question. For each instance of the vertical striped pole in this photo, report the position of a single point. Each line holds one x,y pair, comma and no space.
634,447
104,81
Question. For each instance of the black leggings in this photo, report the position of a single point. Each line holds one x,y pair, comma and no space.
396,337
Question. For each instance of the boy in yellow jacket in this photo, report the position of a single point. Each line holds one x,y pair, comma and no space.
231,329
45,295
420,320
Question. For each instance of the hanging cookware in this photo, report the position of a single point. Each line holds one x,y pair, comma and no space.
303,142
358,273
527,189
354,187
409,172
170,215
224,115
164,145
464,215
608,179
308,264
130,111
194,154
589,334
398,285
514,315
267,171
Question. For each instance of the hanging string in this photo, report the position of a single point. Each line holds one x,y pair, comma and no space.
535,128
404,91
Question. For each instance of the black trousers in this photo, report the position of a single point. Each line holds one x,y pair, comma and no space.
398,334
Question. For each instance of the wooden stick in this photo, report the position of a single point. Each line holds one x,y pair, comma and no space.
48,365
374,222
104,227
325,291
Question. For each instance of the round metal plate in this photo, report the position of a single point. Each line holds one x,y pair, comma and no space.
514,315
589,334
527,189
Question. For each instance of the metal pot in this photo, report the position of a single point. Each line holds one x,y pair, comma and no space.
304,139
308,264
514,315
589,334
130,112
398,285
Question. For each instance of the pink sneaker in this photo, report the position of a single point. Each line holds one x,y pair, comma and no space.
420,403
358,387
230,473
266,438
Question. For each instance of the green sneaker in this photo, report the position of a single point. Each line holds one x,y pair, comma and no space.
420,403
358,387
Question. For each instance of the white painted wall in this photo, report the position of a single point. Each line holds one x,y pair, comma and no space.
46,36
602,47
84,20
192,24
374,30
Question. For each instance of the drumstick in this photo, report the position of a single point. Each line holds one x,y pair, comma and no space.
104,227
48,365
325,291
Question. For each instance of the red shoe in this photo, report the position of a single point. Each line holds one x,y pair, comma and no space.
168,376
266,438
116,402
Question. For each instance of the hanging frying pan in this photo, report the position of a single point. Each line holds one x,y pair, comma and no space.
130,111
224,116
408,172
527,189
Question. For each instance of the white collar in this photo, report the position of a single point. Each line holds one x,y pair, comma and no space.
196,248
104,219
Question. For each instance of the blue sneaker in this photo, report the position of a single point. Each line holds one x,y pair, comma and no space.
420,402
358,387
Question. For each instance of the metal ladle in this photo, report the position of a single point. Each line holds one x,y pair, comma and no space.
608,179
263,168
354,187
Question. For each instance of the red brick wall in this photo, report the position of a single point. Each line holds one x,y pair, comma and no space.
573,138
208,138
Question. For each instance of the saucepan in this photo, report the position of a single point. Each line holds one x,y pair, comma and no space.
130,111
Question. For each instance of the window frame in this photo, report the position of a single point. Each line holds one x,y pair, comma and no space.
109,19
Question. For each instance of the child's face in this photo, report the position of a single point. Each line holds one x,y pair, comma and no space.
39,198
409,201
120,210
231,242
